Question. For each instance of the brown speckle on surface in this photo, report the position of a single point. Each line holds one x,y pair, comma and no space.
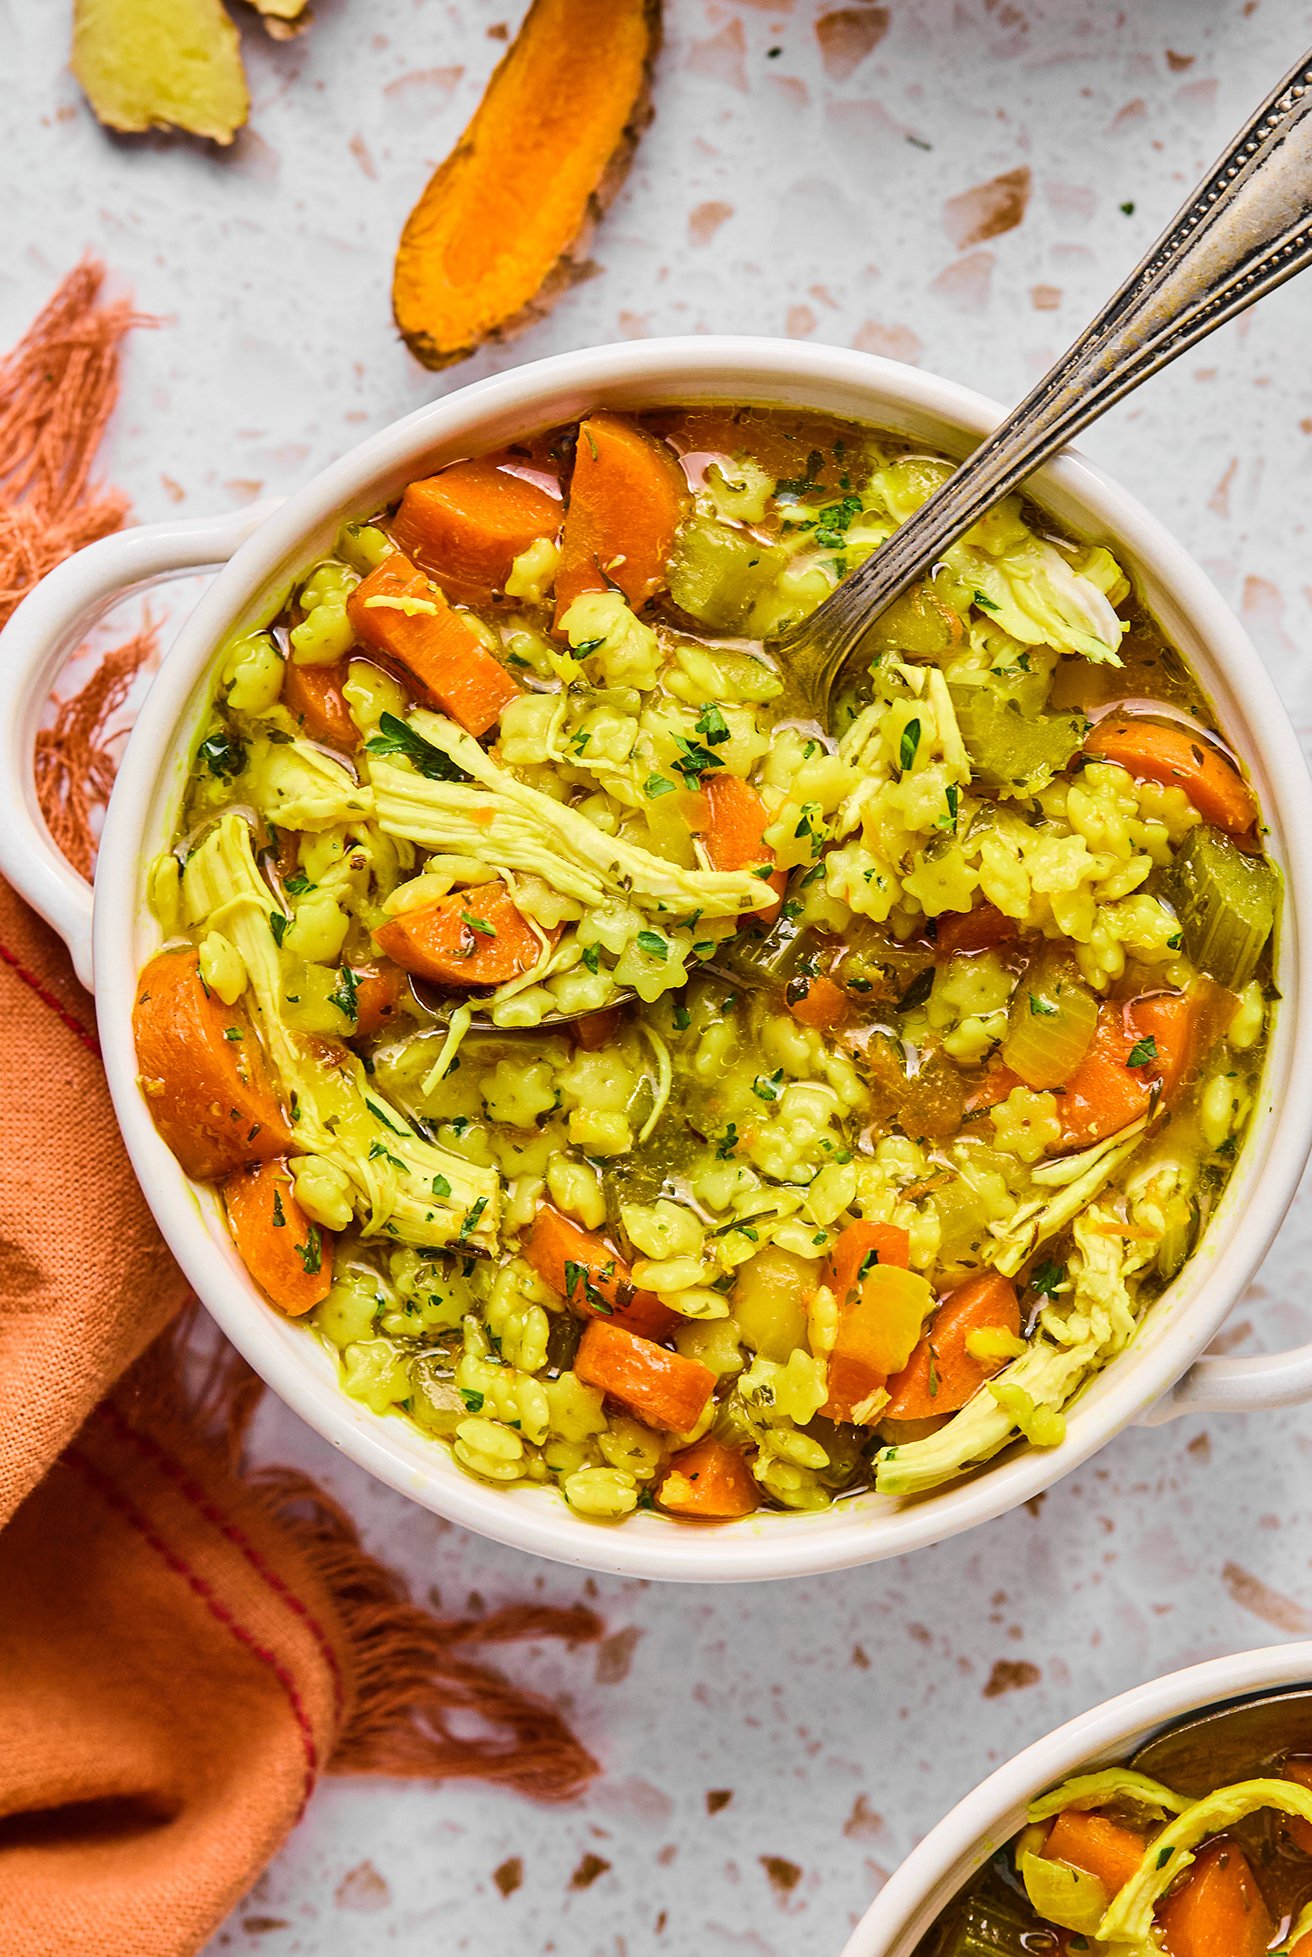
509,1876
1045,298
847,35
784,1875
1258,1598
362,1888
360,151
1177,63
704,220
717,1798
863,1823
615,1654
966,283
860,1658
436,85
1219,500
588,1870
1011,1675
799,322
722,58
1200,1447
986,210
258,1926
894,342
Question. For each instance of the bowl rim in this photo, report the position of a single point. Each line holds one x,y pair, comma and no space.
992,1812
537,395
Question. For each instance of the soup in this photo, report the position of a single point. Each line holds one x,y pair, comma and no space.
1215,1861
648,1091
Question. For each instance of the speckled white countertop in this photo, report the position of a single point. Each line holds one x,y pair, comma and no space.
806,174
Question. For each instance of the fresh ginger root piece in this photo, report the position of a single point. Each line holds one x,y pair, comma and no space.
500,230
161,64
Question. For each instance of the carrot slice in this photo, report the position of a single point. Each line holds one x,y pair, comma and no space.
597,1029
313,695
590,1275
978,930
396,610
1179,759
379,990
472,937
627,498
1103,1848
661,1388
1106,1091
287,1255
708,1480
1303,1948
466,525
941,1374
1218,1911
876,1331
203,1072
823,1005
734,836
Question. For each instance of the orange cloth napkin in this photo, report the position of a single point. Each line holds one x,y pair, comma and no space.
183,1649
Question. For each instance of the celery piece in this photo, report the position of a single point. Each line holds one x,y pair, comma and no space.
1226,901
991,1921
919,623
717,574
1010,747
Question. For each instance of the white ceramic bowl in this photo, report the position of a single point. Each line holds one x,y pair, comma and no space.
259,550
994,1811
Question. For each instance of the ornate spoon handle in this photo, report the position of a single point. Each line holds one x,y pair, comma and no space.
1246,229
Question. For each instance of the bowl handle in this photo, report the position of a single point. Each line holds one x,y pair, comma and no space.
1251,1385
46,627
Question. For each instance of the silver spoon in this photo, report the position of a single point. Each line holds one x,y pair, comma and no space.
1247,228
1191,1756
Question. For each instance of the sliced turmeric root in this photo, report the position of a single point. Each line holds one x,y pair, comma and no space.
473,937
287,1255
202,1072
500,230
627,498
161,64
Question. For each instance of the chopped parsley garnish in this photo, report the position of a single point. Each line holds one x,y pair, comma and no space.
653,944
1047,1278
311,1251
394,737
933,1374
985,604
232,1032
952,796
682,1018
1142,1053
727,1143
909,744
278,922
868,1263
918,991
473,1400
279,1213
472,1215
592,957
298,883
712,726
657,785
377,1149
479,924
833,521
766,1086
223,754
344,994
1041,1008
375,1110
441,1188
694,760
